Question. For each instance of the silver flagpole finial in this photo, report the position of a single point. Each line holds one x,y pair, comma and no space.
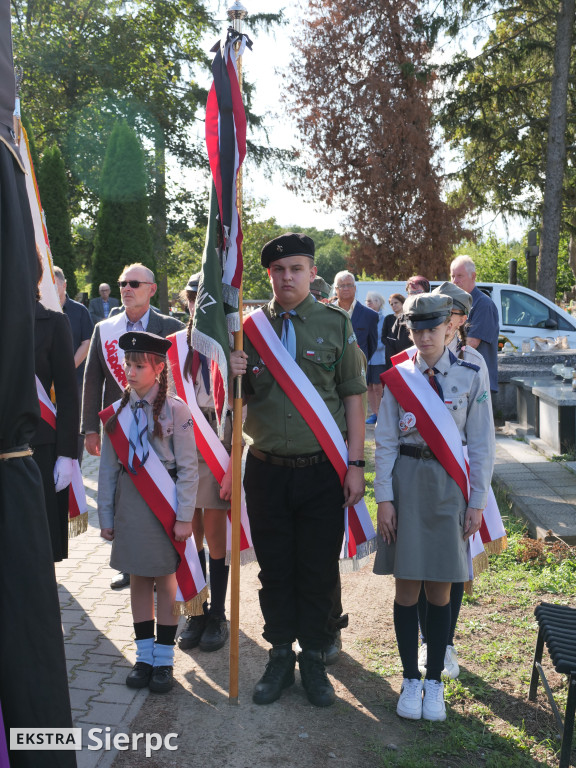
237,11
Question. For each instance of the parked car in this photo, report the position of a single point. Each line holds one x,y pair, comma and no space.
523,313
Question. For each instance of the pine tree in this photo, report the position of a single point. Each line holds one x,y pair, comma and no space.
122,230
53,186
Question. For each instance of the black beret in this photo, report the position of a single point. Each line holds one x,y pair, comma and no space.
288,244
141,341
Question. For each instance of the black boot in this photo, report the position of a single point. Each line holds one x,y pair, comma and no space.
332,650
192,632
315,680
139,675
279,674
215,634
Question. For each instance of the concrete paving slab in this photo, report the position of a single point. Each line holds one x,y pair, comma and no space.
89,681
105,712
535,489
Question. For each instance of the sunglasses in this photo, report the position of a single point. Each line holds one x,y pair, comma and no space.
460,314
133,283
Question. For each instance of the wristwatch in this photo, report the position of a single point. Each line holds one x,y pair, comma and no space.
357,463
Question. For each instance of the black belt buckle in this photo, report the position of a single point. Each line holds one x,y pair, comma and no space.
426,453
302,461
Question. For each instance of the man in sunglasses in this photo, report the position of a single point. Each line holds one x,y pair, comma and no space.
104,378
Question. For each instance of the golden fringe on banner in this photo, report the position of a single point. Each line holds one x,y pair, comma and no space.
497,546
361,558
246,556
77,525
481,561
192,607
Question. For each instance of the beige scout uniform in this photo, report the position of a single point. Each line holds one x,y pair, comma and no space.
208,496
140,545
430,506
328,354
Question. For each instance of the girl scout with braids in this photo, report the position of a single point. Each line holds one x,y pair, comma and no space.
432,405
140,544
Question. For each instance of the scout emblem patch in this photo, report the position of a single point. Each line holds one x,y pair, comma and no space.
407,422
257,369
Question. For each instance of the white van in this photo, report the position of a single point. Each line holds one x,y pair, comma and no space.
523,313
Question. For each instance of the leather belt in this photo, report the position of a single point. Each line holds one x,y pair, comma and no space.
16,454
416,452
295,462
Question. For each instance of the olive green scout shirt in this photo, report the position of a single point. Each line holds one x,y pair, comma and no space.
327,352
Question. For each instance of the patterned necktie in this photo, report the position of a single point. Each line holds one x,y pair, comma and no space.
288,337
433,381
138,438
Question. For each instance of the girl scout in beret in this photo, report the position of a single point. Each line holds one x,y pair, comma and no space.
140,544
426,512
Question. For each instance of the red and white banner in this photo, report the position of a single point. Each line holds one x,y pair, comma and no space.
226,146
47,285
77,504
359,536
155,485
110,331
212,450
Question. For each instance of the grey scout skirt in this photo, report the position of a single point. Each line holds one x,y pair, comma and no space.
430,509
141,545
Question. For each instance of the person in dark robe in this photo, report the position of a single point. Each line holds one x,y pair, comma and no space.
33,679
56,449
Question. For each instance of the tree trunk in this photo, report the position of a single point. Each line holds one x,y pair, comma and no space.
555,152
159,220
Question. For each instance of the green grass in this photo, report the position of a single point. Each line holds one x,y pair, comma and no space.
490,722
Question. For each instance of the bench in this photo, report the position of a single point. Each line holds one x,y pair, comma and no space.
557,630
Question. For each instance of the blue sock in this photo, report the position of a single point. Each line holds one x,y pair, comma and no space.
163,655
145,650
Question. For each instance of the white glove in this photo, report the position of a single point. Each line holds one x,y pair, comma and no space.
63,472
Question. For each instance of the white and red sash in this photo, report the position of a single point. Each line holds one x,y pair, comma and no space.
77,504
110,331
413,392
212,450
492,535
154,484
359,537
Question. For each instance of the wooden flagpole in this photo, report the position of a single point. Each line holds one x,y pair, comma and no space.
236,13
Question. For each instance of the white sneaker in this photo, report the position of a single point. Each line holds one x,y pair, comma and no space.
451,668
433,707
422,659
410,701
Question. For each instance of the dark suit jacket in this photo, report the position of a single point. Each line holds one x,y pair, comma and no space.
365,325
397,338
54,356
96,308
100,387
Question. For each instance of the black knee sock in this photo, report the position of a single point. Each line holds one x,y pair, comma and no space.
144,629
218,586
456,595
166,634
202,558
406,626
422,605
437,629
